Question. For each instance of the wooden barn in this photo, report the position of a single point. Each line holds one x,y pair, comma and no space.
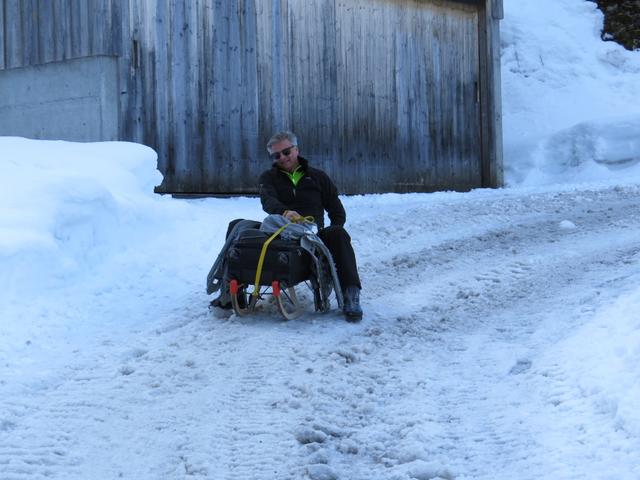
385,95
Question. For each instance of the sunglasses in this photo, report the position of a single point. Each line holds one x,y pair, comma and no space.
285,152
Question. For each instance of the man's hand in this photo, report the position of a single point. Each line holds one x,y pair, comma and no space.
291,215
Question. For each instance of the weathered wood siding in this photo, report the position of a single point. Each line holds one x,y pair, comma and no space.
384,94
407,78
34,32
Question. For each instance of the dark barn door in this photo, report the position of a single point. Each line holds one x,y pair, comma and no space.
408,104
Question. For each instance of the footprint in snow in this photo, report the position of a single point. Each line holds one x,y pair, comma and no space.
319,457
520,367
6,425
126,370
321,472
134,354
305,435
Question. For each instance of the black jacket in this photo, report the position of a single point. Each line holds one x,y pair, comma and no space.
314,194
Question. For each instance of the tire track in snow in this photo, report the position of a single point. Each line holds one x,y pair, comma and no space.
462,288
496,256
41,441
257,439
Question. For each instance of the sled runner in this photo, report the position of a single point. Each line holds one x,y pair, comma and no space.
273,260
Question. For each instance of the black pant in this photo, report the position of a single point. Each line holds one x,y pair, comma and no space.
338,242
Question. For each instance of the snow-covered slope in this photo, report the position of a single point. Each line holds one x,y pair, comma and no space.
570,101
500,333
499,342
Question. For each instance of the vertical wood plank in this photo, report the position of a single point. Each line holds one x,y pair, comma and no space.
196,48
74,28
3,35
205,91
59,29
98,17
249,140
65,33
497,9
224,72
29,29
490,91
162,68
263,34
126,44
178,101
83,26
149,100
193,141
14,43
119,24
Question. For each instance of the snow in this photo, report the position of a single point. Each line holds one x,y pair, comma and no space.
501,328
570,100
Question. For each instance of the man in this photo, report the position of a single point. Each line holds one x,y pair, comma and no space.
292,188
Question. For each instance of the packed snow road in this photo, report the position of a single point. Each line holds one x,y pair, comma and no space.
459,370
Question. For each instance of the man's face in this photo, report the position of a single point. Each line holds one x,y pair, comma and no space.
285,162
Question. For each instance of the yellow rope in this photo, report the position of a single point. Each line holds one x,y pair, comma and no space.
263,253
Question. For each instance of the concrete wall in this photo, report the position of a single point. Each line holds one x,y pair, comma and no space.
76,100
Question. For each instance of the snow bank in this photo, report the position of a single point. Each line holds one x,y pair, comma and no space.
66,205
600,362
603,150
563,87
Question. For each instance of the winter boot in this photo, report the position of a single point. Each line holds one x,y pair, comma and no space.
351,307
219,303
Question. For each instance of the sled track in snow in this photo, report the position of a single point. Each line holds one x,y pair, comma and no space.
255,437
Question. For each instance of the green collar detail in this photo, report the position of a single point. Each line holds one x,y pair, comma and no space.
296,176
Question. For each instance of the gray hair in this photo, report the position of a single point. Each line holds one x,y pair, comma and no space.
280,136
